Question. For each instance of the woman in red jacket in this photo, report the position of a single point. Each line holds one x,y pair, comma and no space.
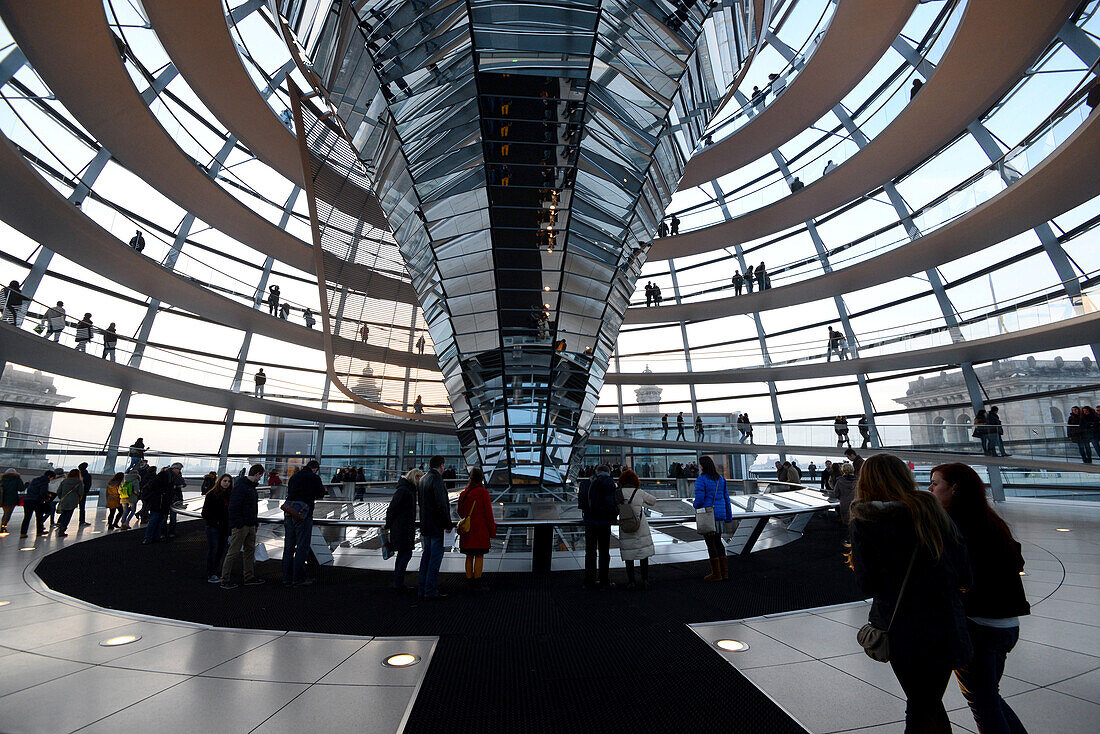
474,503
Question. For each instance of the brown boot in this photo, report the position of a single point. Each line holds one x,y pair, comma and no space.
715,571
724,566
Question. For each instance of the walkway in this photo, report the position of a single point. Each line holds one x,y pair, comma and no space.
79,61
26,348
59,676
995,43
856,39
1062,181
1066,333
809,663
39,211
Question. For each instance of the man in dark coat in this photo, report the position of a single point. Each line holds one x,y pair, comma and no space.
243,521
401,524
302,492
435,520
158,500
599,510
87,479
36,503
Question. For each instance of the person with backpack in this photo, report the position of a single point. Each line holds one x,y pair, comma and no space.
635,539
302,493
710,492
477,527
599,510
114,502
401,525
68,494
129,492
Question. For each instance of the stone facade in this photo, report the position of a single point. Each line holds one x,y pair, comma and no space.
33,388
1041,417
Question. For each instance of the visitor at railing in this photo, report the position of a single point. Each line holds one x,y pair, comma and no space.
11,486
700,434
811,472
750,277
13,299
995,601
259,380
680,427
273,299
399,532
136,453
274,480
738,282
744,428
302,493
712,510
763,282
215,517
68,498
996,432
983,432
435,522
856,459
840,427
309,319
137,241
596,499
635,538
84,333
477,528
864,431
1083,428
827,476
907,555
243,522
110,341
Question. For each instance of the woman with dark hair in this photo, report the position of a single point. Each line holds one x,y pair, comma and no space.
215,513
845,489
11,484
902,536
635,539
1090,429
475,506
996,600
710,491
401,525
1075,431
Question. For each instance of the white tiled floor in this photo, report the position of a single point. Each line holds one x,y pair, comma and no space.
55,677
810,664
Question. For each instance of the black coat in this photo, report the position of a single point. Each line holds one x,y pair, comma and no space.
598,504
931,623
305,486
435,511
243,504
995,563
215,511
401,516
161,492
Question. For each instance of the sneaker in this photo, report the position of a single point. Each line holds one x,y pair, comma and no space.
228,585
23,535
306,582
84,524
62,535
213,580
253,581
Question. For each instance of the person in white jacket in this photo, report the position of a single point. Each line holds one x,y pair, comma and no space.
638,544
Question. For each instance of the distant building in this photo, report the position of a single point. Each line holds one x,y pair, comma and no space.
24,430
933,423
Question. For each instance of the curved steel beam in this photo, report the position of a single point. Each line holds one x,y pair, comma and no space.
79,61
995,43
858,34
1067,333
34,207
1062,181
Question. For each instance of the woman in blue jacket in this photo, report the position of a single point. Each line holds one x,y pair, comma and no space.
710,491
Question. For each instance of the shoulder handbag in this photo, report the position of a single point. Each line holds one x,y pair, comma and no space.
296,509
876,642
704,520
466,523
384,537
628,521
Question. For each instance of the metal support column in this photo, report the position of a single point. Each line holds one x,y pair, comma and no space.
683,336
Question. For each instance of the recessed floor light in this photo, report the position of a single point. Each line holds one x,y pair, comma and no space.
120,640
1023,573
1062,530
402,660
4,603
731,645
4,535
29,547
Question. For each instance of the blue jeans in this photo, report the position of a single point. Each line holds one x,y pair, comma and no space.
127,515
171,521
296,548
152,530
430,560
980,680
216,543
